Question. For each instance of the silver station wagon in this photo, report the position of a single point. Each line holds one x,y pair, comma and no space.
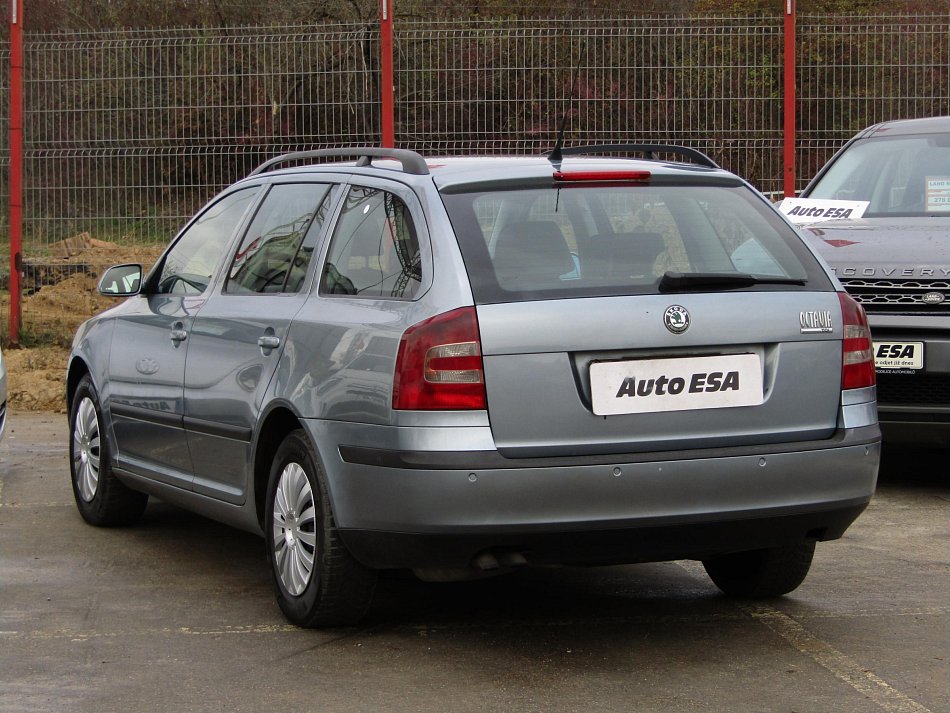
465,366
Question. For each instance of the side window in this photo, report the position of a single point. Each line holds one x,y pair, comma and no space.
189,265
278,245
375,249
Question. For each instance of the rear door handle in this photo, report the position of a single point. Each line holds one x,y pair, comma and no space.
178,336
268,342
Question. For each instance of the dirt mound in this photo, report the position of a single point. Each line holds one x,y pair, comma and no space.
59,293
36,378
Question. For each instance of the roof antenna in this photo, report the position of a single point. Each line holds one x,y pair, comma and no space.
555,155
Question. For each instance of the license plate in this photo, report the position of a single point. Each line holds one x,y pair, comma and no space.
898,355
655,385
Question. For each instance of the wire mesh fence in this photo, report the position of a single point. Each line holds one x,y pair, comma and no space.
858,71
713,83
128,133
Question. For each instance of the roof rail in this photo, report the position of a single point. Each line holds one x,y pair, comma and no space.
411,161
648,149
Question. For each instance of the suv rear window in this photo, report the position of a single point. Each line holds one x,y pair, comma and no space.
596,240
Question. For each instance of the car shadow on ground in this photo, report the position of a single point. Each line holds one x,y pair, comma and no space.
230,569
231,561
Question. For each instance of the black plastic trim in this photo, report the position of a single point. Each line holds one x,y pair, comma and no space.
494,460
221,430
177,420
649,149
648,540
138,413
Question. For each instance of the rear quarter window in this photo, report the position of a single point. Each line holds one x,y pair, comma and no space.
375,249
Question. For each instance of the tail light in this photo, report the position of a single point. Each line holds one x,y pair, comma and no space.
857,361
439,365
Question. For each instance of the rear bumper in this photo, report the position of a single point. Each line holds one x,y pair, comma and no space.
418,507
641,540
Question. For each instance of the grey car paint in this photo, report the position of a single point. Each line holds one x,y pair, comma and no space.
526,368
147,368
519,466
229,371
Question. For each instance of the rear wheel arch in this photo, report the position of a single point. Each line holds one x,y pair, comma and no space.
317,581
274,428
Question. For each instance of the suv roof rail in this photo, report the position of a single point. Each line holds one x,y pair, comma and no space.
411,161
648,149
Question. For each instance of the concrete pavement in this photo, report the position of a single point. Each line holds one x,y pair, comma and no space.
177,614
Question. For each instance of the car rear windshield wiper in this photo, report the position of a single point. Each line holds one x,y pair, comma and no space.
685,281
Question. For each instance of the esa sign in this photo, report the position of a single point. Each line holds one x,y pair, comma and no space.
805,211
902,356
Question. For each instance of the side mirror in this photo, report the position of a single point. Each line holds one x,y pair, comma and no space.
121,281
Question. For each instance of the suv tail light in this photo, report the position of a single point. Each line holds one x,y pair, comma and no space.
439,365
857,360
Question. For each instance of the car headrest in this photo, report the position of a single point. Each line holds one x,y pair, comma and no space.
530,252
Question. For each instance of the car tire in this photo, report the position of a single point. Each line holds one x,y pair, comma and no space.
760,574
101,498
316,580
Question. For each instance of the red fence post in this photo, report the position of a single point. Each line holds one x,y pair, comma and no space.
386,82
788,160
16,167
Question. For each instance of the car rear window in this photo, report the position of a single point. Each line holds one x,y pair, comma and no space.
898,176
589,240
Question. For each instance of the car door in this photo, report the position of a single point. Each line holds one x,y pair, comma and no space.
345,338
149,345
240,331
